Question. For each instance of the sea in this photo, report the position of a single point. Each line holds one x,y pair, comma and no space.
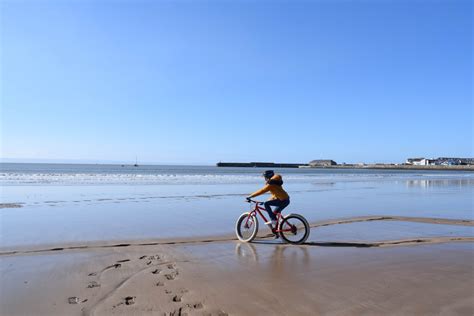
45,204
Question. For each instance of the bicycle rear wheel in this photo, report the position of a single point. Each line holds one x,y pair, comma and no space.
294,229
246,227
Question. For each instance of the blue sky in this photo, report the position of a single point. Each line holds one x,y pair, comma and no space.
205,81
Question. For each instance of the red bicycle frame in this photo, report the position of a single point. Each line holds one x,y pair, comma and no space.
258,209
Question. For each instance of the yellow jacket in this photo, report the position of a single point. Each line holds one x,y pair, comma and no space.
274,185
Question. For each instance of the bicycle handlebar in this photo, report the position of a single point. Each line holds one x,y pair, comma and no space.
249,200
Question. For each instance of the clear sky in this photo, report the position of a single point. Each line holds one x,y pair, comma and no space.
205,81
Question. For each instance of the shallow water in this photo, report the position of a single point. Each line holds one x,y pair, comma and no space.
381,231
80,203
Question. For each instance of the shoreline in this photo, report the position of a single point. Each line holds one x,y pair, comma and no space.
230,237
347,166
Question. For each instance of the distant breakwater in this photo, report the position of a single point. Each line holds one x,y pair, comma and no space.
260,164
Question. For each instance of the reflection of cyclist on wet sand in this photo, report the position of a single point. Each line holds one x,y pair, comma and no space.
280,199
280,254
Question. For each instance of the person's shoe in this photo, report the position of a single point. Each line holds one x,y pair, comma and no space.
273,226
272,223
276,235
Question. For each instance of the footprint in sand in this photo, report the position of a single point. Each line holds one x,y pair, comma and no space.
114,266
195,306
73,300
93,284
129,300
164,271
174,272
76,300
177,298
152,257
176,312
181,310
170,277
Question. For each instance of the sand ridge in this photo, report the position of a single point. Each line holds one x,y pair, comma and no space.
224,238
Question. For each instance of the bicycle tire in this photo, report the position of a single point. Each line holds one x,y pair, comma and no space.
251,231
301,228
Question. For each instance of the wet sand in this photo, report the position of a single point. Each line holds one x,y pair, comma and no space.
263,233
333,274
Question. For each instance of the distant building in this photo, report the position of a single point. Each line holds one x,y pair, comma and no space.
466,161
452,161
418,161
322,163
441,161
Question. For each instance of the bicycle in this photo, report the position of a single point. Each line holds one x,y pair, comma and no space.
293,228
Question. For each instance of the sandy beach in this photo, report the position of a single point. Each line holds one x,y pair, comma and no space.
332,274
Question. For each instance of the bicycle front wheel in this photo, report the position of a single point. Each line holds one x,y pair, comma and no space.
294,229
246,227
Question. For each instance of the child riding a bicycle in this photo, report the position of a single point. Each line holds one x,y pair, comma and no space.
280,199
292,228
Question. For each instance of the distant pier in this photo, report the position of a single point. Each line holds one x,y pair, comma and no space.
260,164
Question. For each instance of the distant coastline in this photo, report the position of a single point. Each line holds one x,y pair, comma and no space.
397,167
345,166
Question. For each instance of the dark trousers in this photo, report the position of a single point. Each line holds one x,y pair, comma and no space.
280,205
